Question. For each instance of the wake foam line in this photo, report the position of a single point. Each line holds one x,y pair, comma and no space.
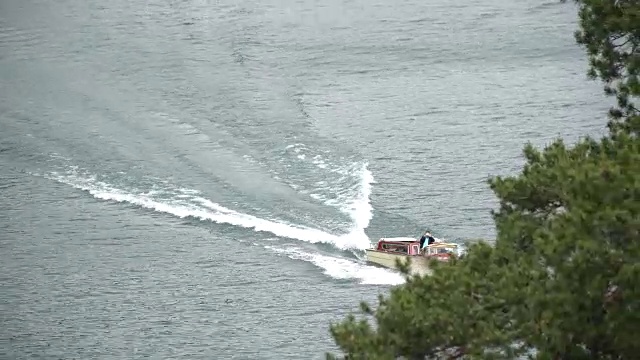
360,208
339,268
187,203
350,193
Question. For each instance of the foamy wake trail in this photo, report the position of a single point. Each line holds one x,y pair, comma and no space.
161,197
340,268
359,207
348,190
189,203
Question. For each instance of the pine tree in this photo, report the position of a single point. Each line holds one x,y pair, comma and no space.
562,280
609,33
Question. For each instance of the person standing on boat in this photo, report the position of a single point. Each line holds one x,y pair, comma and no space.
423,240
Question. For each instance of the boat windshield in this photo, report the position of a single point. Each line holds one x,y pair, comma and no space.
439,249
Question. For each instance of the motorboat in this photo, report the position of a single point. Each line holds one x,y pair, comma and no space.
388,250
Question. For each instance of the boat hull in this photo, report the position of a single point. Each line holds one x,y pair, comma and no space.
419,264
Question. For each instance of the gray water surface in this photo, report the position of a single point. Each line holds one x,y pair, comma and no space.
198,179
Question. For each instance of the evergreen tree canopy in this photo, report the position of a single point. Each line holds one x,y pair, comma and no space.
562,280
609,32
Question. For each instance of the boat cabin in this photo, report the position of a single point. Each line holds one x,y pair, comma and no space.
411,247
402,246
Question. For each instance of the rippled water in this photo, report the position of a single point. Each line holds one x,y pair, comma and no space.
198,179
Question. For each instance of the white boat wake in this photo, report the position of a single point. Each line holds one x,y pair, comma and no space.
340,268
184,203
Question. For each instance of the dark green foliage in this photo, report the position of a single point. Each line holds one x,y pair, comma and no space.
609,32
470,318
563,276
